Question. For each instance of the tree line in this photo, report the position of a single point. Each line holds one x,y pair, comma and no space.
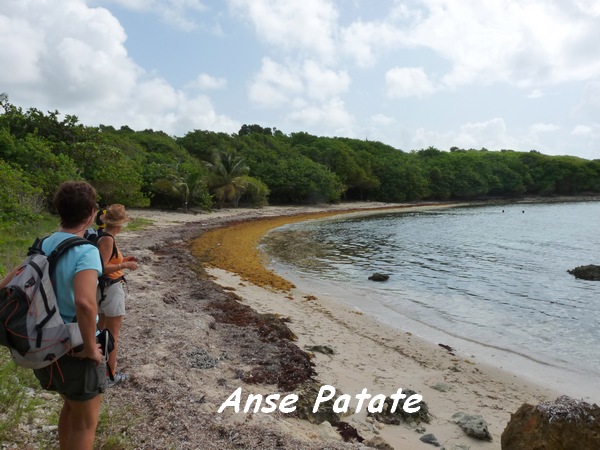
256,166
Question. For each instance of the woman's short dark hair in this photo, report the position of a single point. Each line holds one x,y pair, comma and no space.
74,201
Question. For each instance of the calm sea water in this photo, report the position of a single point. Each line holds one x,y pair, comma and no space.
491,281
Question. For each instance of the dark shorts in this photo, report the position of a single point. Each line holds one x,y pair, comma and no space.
77,379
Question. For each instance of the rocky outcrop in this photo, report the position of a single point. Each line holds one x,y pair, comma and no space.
590,272
564,424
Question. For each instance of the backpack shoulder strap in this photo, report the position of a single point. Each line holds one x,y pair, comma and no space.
62,248
36,247
115,251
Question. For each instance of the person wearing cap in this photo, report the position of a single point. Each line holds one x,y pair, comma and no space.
111,298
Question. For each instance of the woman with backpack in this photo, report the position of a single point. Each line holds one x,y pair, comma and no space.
111,294
78,376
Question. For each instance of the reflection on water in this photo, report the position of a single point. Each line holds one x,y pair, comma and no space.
495,274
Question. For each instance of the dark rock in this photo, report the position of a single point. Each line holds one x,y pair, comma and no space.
325,349
307,396
379,277
430,439
400,416
564,424
447,347
348,432
590,272
473,425
378,443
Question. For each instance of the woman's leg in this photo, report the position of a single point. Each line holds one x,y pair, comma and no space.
78,422
101,321
114,326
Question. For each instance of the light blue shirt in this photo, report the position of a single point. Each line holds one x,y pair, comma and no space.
76,259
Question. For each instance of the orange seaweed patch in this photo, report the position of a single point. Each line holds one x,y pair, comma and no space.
234,248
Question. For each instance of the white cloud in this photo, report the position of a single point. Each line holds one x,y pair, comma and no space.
207,82
307,27
382,120
331,114
73,59
408,82
323,83
544,128
275,85
175,12
73,55
21,44
521,43
366,42
536,93
491,134
278,85
589,106
590,7
585,130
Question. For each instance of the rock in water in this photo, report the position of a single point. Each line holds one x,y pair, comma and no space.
590,272
564,424
379,277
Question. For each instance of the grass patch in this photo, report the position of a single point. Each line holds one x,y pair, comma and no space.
114,426
24,406
16,237
139,223
19,403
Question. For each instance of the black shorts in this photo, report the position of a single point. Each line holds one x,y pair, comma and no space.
77,379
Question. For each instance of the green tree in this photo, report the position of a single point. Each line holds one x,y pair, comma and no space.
19,199
186,190
202,144
35,156
111,172
354,171
228,178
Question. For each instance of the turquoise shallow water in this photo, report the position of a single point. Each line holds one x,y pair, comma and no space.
491,280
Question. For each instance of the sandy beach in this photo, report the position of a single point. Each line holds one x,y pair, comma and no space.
195,332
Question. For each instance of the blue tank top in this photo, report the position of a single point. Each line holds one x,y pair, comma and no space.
76,259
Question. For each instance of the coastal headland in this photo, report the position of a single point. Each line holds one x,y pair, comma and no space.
206,317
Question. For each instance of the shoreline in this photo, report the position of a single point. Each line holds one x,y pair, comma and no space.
185,358
537,372
192,336
257,270
325,320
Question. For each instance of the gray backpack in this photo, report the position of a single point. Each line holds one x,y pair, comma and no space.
30,323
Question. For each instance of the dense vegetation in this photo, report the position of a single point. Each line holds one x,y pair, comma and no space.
257,165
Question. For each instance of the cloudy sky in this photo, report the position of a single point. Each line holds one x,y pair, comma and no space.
516,74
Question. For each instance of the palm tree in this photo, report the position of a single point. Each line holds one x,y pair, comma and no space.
228,176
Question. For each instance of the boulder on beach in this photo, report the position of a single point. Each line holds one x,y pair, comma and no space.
473,425
563,424
589,272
